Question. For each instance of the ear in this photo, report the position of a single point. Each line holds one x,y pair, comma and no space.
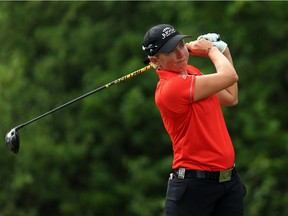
154,60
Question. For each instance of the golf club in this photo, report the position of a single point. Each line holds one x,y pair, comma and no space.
12,138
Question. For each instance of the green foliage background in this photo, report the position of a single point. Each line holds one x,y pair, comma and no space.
109,154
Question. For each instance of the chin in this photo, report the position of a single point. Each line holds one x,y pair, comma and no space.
183,66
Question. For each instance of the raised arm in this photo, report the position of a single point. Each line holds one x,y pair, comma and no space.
229,96
224,77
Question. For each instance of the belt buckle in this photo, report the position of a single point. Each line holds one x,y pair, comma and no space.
225,175
181,173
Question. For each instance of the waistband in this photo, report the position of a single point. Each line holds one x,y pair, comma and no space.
219,176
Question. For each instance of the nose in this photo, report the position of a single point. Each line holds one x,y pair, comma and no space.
179,52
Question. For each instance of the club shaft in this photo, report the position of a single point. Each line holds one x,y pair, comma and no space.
121,79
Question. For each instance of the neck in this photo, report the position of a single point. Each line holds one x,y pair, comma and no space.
178,72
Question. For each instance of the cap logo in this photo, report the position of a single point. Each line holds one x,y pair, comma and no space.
167,32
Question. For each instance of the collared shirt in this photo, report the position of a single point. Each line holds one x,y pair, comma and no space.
198,131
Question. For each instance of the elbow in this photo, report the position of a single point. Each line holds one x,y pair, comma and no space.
230,103
234,102
230,74
234,76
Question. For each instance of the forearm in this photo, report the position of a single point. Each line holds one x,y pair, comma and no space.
233,89
223,65
227,54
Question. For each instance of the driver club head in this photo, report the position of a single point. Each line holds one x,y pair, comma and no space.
12,141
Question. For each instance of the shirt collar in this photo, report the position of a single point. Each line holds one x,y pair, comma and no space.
166,74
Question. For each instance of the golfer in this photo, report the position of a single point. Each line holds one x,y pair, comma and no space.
204,180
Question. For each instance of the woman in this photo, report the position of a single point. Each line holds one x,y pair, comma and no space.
204,181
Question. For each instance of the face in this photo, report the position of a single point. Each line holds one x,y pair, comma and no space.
175,61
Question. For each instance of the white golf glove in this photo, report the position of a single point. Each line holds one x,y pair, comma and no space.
215,39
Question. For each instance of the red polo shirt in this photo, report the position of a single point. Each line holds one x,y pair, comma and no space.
197,130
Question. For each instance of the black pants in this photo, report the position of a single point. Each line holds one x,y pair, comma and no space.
202,197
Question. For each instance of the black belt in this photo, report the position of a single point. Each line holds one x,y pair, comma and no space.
219,176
